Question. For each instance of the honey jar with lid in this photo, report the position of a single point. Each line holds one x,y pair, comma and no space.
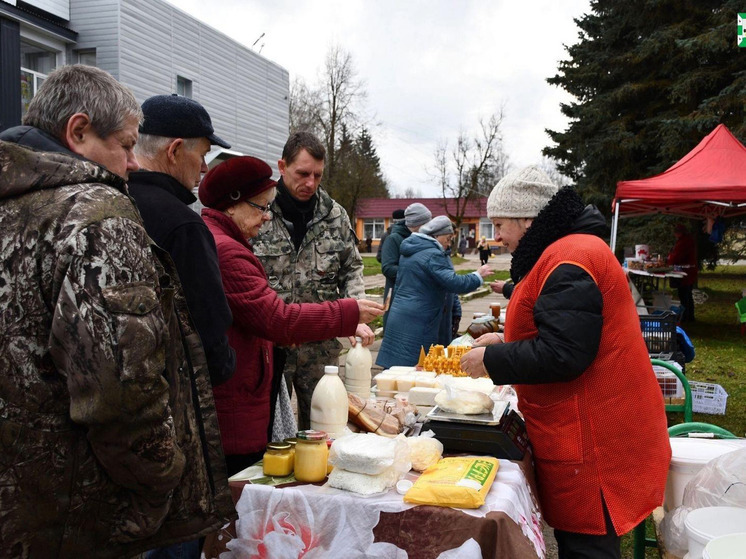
311,456
277,460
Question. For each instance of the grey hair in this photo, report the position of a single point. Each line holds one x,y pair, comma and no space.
83,89
150,145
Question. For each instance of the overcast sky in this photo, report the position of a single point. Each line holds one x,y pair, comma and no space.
431,67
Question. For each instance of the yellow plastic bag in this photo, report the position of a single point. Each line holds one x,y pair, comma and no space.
461,482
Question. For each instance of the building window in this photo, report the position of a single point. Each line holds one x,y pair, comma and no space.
87,57
183,87
36,63
486,229
373,228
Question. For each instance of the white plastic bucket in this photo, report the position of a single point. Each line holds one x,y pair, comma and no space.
642,252
732,546
708,523
688,456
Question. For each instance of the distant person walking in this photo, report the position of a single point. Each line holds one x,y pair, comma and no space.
396,217
484,250
462,247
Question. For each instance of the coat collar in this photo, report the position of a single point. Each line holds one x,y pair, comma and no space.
226,225
554,221
165,182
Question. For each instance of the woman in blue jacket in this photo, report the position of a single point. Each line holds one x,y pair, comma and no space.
421,313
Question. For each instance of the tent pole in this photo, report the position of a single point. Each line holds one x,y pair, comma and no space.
614,226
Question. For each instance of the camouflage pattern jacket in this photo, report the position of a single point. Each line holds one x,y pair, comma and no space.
109,443
326,267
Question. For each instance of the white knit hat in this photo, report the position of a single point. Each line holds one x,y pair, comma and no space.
521,193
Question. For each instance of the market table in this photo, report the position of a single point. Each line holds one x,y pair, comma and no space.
347,525
647,281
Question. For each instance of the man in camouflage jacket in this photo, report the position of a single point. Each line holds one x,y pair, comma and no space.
109,443
309,252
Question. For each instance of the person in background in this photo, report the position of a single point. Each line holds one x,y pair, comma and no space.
571,326
415,216
484,250
462,247
684,255
421,314
396,216
109,442
309,251
237,196
369,244
175,136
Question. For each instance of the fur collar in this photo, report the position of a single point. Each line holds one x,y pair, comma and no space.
554,221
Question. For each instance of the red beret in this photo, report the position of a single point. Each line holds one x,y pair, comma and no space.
234,180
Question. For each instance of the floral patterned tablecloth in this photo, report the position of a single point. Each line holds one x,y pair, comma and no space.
312,521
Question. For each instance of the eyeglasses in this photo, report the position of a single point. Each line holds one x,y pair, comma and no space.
266,210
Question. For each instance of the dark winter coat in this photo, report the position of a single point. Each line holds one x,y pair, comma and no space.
390,259
176,228
424,283
261,317
109,443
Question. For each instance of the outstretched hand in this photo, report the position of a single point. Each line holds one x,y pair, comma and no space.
368,310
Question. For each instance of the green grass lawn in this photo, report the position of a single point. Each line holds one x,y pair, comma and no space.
371,266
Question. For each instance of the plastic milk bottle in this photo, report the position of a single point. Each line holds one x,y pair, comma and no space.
329,404
357,370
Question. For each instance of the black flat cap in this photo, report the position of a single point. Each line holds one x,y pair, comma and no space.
398,214
174,116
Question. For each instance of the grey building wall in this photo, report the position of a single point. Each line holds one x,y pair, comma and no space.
146,44
59,8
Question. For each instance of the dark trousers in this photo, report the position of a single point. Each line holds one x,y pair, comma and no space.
571,545
687,301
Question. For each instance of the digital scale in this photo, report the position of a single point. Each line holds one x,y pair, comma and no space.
501,434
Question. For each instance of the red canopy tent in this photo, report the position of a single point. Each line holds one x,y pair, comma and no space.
709,181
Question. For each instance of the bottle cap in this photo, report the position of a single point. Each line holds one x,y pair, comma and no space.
331,370
358,339
311,435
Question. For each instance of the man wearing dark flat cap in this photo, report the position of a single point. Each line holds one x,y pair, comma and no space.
175,135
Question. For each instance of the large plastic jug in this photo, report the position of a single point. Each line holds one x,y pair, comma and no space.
357,370
329,404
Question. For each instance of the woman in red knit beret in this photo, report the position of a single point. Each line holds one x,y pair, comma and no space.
237,195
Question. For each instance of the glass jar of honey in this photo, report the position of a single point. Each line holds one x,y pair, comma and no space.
291,441
311,456
277,460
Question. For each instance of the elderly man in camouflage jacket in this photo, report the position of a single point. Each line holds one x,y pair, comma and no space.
108,436
309,252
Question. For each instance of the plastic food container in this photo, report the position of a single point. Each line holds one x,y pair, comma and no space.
708,523
688,456
731,546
